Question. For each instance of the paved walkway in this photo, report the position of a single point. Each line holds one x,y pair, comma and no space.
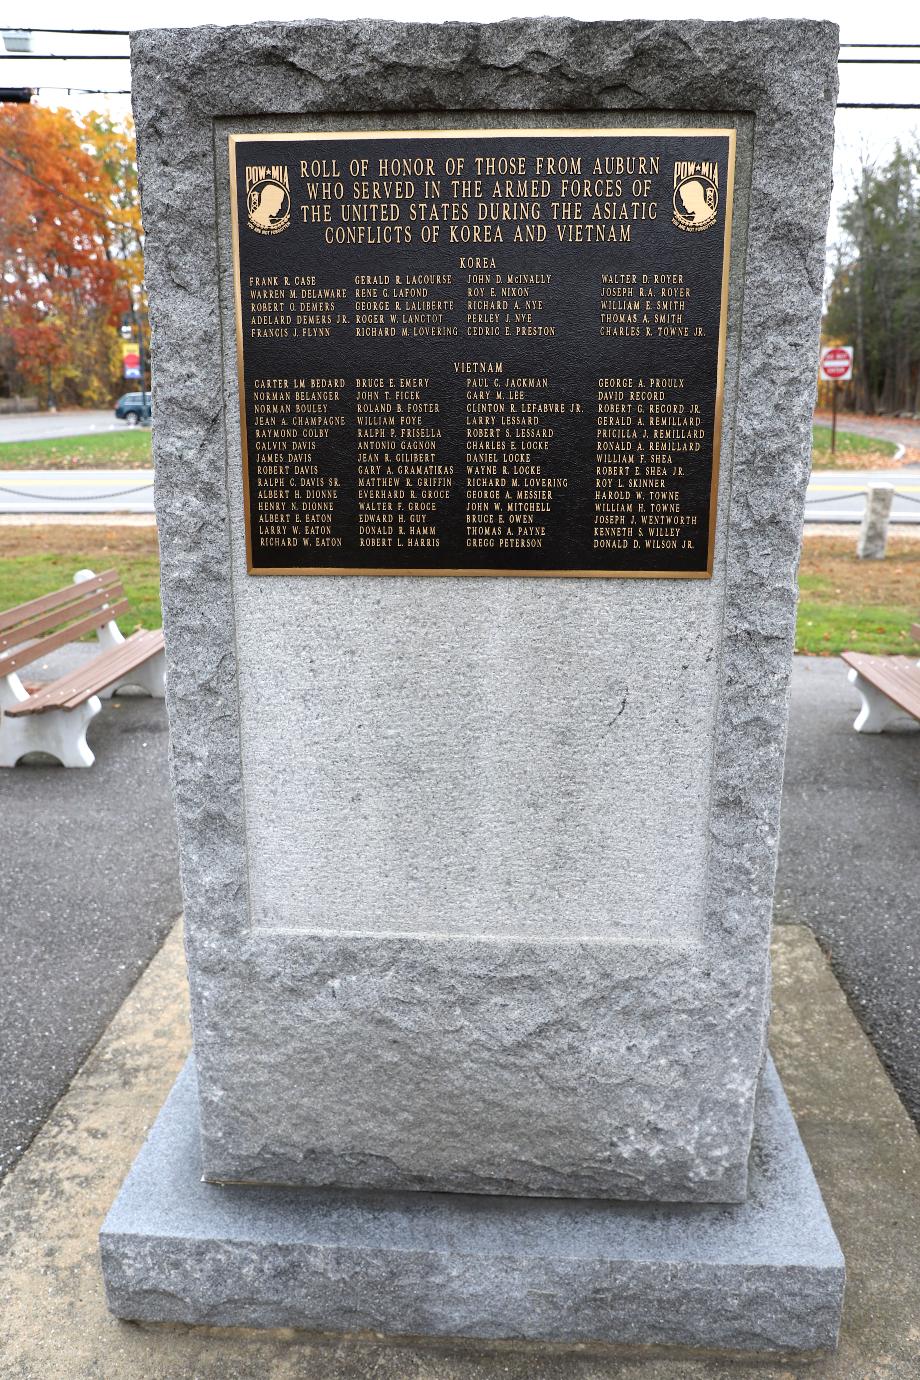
89,877
849,862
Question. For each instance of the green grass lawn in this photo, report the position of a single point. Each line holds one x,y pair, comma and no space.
110,450
36,560
844,603
853,452
879,628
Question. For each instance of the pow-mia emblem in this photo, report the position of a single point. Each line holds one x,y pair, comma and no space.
268,199
696,194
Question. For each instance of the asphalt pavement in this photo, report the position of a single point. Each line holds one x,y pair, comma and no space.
90,887
44,426
849,859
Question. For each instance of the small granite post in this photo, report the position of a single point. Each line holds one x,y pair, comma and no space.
479,527
873,531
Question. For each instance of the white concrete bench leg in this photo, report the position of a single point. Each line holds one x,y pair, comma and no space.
877,711
150,677
108,636
59,732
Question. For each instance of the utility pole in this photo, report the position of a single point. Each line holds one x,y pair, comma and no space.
142,353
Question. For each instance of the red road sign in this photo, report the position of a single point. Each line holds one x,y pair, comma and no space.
837,362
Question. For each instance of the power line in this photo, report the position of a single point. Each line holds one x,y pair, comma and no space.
112,91
125,33
842,105
65,57
97,33
126,57
84,90
80,205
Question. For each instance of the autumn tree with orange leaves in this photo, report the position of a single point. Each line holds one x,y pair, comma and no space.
70,250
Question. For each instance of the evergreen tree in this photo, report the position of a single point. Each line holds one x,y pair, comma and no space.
874,297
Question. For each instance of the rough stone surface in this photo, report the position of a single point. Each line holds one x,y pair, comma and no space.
470,1048
873,533
764,1275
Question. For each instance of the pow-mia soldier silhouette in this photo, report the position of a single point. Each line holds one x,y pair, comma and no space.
265,214
695,204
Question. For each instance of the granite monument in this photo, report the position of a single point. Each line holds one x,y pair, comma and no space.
484,368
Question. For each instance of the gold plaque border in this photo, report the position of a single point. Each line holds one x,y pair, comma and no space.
495,132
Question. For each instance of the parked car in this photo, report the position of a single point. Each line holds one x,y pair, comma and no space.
133,408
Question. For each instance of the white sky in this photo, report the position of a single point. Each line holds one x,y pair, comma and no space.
858,131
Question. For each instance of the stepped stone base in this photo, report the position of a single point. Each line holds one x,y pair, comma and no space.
764,1275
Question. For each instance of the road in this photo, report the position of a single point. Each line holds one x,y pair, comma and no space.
77,491
44,426
131,491
827,499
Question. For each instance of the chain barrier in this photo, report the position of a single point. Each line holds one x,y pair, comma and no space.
858,493
838,498
75,498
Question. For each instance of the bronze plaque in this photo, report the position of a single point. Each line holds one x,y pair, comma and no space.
482,352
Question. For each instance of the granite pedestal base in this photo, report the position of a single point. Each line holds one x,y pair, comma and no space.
763,1275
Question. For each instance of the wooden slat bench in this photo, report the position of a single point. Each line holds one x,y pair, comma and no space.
889,687
53,718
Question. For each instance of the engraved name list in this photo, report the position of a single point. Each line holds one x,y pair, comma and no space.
482,352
